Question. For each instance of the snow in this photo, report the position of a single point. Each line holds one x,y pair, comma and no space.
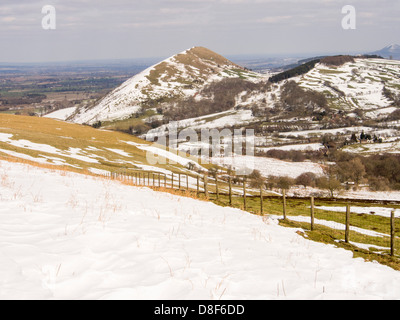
6,138
270,167
379,112
120,152
23,156
375,148
69,236
239,117
362,83
320,133
74,153
62,114
339,226
211,121
128,98
296,147
378,211
360,194
160,154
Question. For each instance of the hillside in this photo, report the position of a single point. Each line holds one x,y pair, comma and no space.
69,236
366,85
326,105
178,77
342,92
370,86
83,148
200,84
390,51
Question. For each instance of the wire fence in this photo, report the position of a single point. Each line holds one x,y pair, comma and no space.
366,224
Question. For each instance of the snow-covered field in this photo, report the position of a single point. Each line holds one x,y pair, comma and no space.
69,236
374,148
300,191
269,166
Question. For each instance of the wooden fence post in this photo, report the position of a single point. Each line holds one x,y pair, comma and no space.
187,182
312,214
179,184
347,232
284,204
244,194
392,233
205,186
230,190
261,200
198,186
216,186
172,180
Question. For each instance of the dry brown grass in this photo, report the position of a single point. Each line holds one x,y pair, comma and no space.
92,143
55,168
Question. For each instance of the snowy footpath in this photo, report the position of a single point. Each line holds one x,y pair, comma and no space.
69,236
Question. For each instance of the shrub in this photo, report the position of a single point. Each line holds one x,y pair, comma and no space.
304,68
97,125
256,179
306,179
379,184
285,183
337,60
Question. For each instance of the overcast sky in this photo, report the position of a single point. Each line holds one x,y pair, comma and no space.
119,29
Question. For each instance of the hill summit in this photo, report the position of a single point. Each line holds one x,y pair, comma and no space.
180,76
390,51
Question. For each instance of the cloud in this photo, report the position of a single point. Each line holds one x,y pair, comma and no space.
8,19
132,28
275,19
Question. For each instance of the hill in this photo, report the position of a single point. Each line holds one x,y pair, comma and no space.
361,84
161,85
199,84
390,51
327,102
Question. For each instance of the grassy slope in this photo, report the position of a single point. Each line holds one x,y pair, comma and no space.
92,143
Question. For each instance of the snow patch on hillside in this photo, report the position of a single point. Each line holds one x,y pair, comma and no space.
361,83
269,166
62,114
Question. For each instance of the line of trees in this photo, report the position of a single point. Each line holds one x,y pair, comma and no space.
300,70
379,172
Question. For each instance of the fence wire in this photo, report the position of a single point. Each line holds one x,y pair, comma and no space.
367,225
